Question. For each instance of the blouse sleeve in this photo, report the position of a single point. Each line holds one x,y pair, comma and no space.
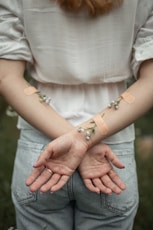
143,45
13,43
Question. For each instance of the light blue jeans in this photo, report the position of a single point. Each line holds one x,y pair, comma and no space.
73,207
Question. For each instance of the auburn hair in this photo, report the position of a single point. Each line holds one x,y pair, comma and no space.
94,7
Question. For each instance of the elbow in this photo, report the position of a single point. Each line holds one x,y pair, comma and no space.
146,69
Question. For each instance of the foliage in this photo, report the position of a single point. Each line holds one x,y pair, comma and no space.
144,220
145,125
8,137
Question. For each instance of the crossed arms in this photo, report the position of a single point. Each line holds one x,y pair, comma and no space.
70,150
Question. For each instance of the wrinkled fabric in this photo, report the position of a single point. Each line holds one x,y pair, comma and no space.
29,29
143,45
13,43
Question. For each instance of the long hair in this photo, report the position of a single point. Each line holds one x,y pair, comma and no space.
95,7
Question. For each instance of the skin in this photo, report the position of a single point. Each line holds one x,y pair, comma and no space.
94,167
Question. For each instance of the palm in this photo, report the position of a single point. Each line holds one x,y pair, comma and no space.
97,171
62,156
94,165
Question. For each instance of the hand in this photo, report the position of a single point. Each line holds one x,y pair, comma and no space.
62,156
97,171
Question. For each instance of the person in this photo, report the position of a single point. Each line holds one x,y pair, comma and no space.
77,109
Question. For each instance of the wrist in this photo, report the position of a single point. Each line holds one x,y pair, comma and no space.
94,130
79,140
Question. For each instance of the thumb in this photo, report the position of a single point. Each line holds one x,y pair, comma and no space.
111,156
43,157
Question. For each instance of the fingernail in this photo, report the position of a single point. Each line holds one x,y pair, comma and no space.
98,191
34,164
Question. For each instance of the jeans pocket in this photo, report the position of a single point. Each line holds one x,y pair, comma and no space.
128,199
27,154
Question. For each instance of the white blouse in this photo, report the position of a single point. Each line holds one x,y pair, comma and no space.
81,63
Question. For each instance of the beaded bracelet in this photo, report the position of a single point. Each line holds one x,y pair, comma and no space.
88,131
126,96
96,122
31,90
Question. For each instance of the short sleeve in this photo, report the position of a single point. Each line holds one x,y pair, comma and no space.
143,45
13,43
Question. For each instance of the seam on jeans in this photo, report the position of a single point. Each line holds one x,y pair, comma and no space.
113,209
70,188
120,211
25,201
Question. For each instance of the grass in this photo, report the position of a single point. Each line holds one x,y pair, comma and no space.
8,137
144,219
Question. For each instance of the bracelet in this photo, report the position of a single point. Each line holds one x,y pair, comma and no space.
31,90
88,131
126,96
98,122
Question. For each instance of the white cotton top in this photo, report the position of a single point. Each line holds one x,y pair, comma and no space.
81,63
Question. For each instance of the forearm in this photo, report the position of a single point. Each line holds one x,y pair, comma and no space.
40,115
115,120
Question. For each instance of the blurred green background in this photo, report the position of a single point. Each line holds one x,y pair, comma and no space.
144,158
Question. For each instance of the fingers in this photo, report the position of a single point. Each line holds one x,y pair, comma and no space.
44,156
103,188
91,186
114,159
60,183
33,176
97,185
106,184
113,182
110,184
114,177
40,180
46,180
106,152
54,183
